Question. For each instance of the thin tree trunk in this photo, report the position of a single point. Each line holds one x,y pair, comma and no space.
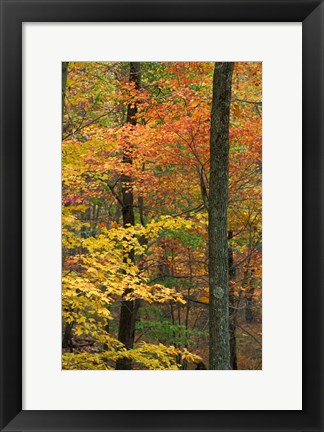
65,66
249,309
67,337
232,304
219,347
129,308
184,362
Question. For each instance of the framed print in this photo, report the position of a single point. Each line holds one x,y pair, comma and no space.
133,255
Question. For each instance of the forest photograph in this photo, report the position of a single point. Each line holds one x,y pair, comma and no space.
161,215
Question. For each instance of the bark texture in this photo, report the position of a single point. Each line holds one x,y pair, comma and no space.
232,304
65,66
219,344
67,337
129,308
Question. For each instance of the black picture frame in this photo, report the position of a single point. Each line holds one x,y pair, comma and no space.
13,14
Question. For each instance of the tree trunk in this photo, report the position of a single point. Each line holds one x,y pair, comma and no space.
129,308
64,79
219,347
249,308
232,304
67,337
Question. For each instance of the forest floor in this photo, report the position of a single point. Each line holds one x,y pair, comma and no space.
248,340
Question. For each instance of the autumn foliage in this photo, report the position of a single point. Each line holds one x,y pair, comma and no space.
160,262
